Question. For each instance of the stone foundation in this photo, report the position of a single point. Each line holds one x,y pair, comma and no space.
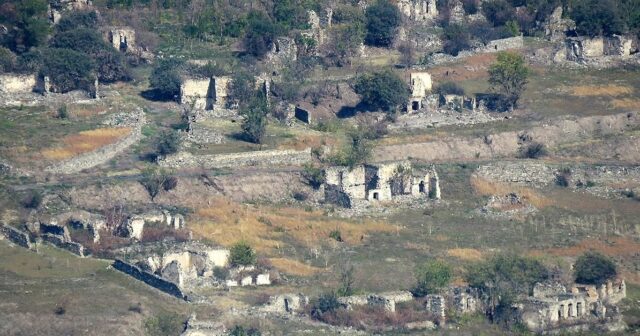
257,158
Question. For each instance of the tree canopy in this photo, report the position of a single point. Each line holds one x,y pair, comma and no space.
383,19
383,90
509,76
594,268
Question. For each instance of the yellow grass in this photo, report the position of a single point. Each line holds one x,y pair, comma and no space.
304,141
293,267
626,103
467,254
486,187
85,141
608,90
265,228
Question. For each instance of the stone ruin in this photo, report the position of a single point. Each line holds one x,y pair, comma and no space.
418,10
135,224
57,7
421,85
556,27
286,304
122,38
31,88
516,42
553,306
283,50
387,300
205,93
345,186
192,265
583,49
319,25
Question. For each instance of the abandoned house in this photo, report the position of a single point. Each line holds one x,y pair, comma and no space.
421,86
205,93
382,182
418,10
552,306
582,49
122,38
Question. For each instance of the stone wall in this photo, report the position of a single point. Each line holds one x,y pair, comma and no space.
16,83
122,38
256,158
505,44
16,236
60,242
102,154
509,143
148,278
418,10
197,92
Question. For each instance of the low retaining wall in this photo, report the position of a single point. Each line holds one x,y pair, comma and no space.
16,236
148,278
59,241
257,158
102,154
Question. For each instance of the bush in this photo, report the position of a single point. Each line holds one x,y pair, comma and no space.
449,88
241,331
68,69
314,176
383,90
456,39
597,17
594,268
7,60
254,125
242,88
327,302
62,112
470,6
166,324
534,150
77,19
259,35
498,12
165,78
336,235
154,181
33,201
170,183
383,19
168,143
432,276
242,254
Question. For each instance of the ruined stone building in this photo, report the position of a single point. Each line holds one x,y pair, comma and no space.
421,85
345,186
57,7
553,306
418,10
122,38
205,93
582,49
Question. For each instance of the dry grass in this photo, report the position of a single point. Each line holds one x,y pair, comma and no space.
293,267
607,90
265,228
473,67
397,140
486,187
304,141
85,141
626,103
87,110
466,254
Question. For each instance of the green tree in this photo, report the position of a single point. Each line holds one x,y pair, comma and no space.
432,276
357,150
456,39
168,143
242,88
506,276
509,76
154,180
165,78
594,268
77,19
254,125
7,60
344,42
26,22
242,254
259,34
383,19
597,17
498,12
383,90
68,69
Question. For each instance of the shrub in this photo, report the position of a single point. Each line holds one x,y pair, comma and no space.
456,39
254,125
432,276
597,17
170,183
241,331
383,90
313,176
383,19
7,60
33,201
336,235
594,268
260,34
154,180
242,88
221,273
448,88
166,324
165,78
62,112
327,302
563,178
498,12
242,254
470,6
68,69
300,196
136,308
77,19
534,150
168,143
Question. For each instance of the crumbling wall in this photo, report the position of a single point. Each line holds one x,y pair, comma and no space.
286,303
102,154
197,92
418,10
257,158
15,83
62,243
505,44
148,278
123,38
16,236
436,305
